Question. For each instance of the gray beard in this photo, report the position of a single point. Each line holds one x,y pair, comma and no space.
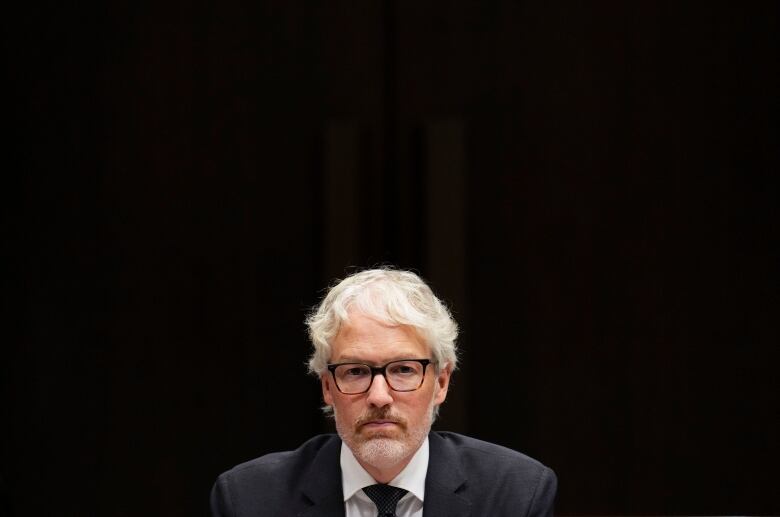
382,452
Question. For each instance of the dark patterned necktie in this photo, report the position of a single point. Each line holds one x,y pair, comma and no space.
385,498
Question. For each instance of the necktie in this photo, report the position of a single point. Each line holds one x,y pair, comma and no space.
385,498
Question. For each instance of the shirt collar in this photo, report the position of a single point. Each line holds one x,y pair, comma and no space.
412,478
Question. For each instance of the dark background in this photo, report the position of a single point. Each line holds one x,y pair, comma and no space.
591,185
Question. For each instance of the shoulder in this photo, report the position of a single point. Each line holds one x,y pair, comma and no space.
278,464
471,450
264,483
497,477
495,480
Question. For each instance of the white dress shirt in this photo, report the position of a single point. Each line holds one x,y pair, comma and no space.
412,478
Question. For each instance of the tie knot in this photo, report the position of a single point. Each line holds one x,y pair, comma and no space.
385,498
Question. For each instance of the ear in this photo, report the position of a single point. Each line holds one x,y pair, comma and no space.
327,387
442,384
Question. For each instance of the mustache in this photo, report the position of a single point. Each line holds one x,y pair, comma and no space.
380,414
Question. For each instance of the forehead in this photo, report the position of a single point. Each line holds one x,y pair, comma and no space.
367,339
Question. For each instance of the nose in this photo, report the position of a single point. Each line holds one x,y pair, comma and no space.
379,393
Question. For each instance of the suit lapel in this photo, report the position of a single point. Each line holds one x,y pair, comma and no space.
321,485
445,477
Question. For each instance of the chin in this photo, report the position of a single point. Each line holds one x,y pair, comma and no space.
382,453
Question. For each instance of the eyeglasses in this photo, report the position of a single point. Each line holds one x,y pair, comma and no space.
401,375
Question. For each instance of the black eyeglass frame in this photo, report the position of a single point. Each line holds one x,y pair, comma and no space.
375,370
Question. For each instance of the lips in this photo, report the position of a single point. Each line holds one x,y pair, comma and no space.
380,423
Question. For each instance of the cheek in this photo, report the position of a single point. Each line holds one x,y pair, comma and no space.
420,405
344,406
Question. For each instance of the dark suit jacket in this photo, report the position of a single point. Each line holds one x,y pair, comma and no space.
466,477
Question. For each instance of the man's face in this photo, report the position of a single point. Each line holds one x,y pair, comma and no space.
382,427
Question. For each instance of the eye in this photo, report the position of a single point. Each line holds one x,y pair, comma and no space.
354,371
404,369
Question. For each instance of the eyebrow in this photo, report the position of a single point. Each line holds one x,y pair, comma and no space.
353,359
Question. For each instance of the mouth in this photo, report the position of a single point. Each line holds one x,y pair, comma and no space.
380,424
381,427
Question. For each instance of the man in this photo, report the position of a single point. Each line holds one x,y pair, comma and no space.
384,350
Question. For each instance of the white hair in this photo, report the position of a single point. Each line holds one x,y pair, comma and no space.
391,296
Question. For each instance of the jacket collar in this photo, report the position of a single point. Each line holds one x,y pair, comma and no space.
321,483
444,494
